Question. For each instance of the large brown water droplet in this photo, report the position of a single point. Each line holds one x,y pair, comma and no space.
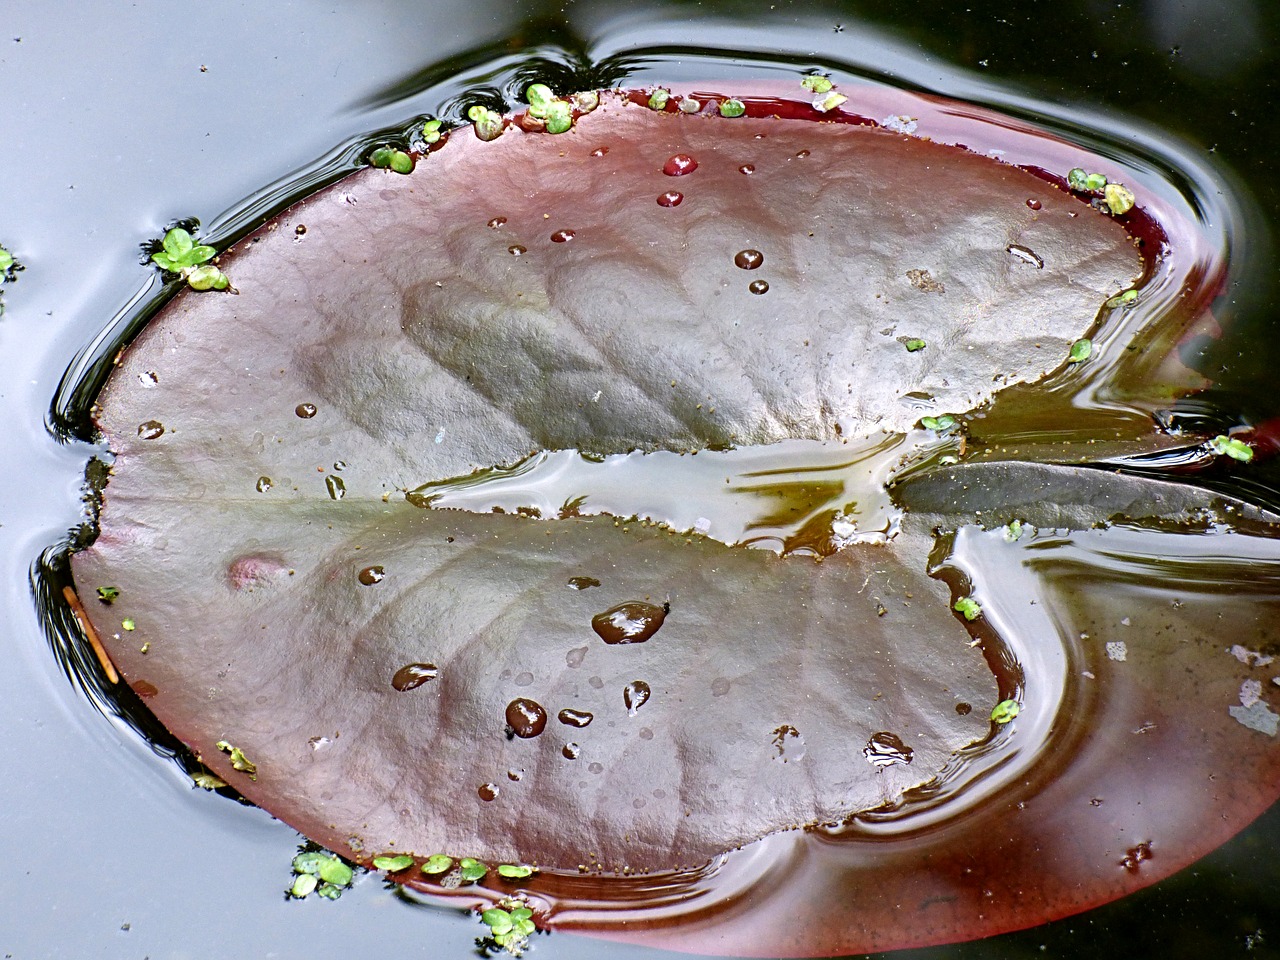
305,410
488,791
413,675
634,695
371,575
672,198
632,622
575,718
526,718
679,165
886,749
562,236
758,286
748,259
150,430
571,751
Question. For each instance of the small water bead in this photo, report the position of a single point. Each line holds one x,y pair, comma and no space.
305,411
527,718
596,683
371,575
150,430
632,622
337,489
575,718
515,774
599,151
964,709
747,168
748,259
571,751
263,485
413,675
496,222
1033,203
524,678
679,165
596,768
802,154
583,583
300,230
339,465
646,733
758,287
672,198
886,749
488,792
516,250
562,236
634,695
575,657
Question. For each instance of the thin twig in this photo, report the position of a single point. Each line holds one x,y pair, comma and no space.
99,650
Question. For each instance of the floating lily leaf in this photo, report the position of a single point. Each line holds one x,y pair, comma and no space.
355,570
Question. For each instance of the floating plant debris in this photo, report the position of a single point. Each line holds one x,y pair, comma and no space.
619,404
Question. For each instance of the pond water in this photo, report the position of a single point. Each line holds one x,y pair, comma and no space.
123,121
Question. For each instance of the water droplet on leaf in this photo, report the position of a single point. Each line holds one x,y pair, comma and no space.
886,749
575,718
632,622
305,410
413,675
527,718
634,696
150,430
679,165
371,575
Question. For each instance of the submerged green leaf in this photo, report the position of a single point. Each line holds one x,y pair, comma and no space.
393,864
1081,350
1005,710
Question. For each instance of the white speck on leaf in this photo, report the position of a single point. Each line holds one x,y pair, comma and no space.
1250,657
1250,693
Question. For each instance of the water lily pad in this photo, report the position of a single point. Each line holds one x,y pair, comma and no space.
285,541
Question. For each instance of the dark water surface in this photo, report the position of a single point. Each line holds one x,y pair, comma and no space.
122,119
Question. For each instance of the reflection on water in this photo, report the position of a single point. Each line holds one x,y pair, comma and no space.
1089,587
